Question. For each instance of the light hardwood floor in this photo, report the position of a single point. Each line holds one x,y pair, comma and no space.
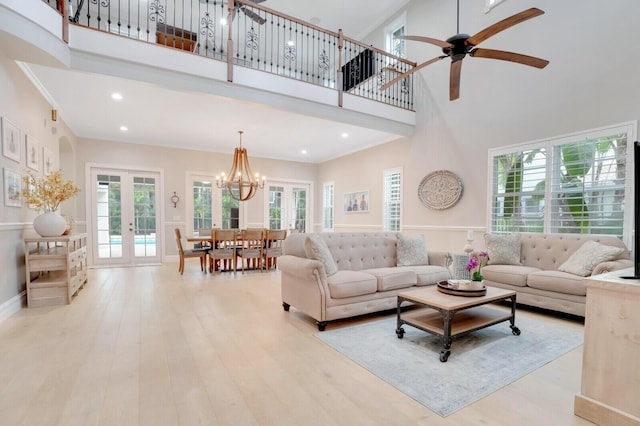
146,346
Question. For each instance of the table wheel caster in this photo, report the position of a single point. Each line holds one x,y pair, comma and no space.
444,355
515,330
400,332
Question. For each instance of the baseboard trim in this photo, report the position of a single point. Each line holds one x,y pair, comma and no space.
13,305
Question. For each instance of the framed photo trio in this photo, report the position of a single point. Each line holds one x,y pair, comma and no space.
356,202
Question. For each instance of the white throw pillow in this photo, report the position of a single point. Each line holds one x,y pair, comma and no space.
503,249
411,251
316,248
588,256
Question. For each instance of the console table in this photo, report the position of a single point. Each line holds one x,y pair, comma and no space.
610,389
56,268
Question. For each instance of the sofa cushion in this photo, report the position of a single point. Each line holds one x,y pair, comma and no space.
393,278
316,248
411,250
503,249
558,282
588,256
351,283
508,274
428,274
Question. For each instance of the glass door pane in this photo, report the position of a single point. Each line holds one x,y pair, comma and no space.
144,217
298,209
276,218
108,216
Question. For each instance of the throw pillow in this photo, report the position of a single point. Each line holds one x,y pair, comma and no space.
411,251
588,256
503,249
316,248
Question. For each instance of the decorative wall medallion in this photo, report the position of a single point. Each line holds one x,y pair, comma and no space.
440,190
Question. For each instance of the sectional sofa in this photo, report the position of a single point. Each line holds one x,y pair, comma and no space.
330,276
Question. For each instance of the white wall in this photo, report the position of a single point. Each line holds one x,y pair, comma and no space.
592,81
23,105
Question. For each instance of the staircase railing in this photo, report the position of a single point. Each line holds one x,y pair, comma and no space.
243,33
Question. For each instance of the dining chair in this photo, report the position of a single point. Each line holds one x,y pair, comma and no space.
251,248
223,248
189,253
274,240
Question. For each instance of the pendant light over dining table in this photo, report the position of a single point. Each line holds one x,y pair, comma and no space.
241,183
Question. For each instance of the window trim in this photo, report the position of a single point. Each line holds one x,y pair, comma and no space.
629,127
393,26
491,4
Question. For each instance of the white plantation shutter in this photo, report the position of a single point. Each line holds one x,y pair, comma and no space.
392,199
327,206
588,188
574,184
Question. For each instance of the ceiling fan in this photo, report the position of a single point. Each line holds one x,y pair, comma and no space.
460,45
250,13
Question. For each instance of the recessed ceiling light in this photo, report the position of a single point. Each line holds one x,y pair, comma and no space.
344,135
291,43
116,96
124,128
303,152
223,21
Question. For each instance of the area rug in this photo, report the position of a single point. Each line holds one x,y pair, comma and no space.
481,362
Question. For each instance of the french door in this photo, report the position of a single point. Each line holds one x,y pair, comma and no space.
124,217
289,206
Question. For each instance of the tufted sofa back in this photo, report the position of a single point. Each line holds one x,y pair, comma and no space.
548,251
352,251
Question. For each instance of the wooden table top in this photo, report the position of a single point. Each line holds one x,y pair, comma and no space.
432,297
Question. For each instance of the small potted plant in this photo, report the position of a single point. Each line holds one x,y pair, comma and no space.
475,264
45,193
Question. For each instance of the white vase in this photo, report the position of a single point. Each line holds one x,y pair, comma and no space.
49,224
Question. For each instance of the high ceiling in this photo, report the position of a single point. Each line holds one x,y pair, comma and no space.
160,116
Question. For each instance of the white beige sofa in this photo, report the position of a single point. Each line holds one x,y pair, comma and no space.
538,280
367,277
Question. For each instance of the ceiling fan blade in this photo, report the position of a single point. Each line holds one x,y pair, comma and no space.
439,43
509,56
257,1
254,16
411,71
503,25
454,80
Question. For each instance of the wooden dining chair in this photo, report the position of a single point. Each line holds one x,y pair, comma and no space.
251,248
189,253
223,248
274,240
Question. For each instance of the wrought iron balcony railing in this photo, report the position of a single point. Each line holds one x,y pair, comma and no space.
247,34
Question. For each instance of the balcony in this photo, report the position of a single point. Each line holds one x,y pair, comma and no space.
304,68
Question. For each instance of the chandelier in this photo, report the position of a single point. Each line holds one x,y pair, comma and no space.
240,182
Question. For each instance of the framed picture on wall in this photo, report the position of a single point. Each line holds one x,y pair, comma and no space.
11,146
33,153
12,188
356,202
47,160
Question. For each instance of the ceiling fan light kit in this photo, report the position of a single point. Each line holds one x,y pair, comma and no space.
458,46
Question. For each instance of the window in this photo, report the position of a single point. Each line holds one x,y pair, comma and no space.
490,4
394,44
573,184
327,206
202,205
392,199
210,207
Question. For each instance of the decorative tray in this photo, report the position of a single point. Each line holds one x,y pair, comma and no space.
464,288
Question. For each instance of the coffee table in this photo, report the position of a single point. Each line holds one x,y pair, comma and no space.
450,316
